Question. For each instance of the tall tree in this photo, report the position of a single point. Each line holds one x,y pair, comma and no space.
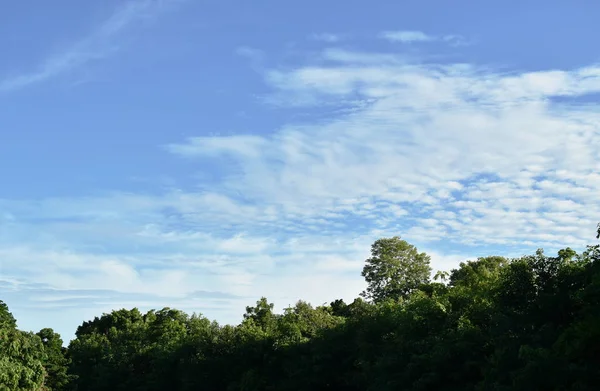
21,356
55,362
261,315
7,320
395,269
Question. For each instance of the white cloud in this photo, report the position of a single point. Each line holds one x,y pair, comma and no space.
450,156
326,37
248,145
406,36
354,57
100,44
430,136
413,36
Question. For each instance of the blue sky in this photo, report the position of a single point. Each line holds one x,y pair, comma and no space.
201,154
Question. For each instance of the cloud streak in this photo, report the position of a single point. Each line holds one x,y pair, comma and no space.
326,37
102,43
457,158
414,36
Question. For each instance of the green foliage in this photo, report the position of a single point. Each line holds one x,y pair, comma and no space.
261,315
56,362
395,269
498,324
7,320
21,356
478,273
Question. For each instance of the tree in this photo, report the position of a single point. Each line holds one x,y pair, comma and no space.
21,356
7,320
479,272
394,270
261,315
340,308
56,362
530,323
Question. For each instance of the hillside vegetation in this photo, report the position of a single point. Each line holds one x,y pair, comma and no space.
531,323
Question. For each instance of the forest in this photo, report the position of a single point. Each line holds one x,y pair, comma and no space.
494,323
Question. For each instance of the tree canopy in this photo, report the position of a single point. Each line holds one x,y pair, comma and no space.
494,323
395,269
21,356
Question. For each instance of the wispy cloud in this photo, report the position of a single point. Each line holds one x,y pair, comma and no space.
413,36
100,44
238,145
326,37
454,130
254,56
247,51
456,158
406,36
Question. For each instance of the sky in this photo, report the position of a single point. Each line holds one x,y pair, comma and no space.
200,154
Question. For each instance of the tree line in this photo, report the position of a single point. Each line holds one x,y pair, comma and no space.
494,323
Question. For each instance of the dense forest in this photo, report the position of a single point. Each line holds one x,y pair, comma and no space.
530,323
